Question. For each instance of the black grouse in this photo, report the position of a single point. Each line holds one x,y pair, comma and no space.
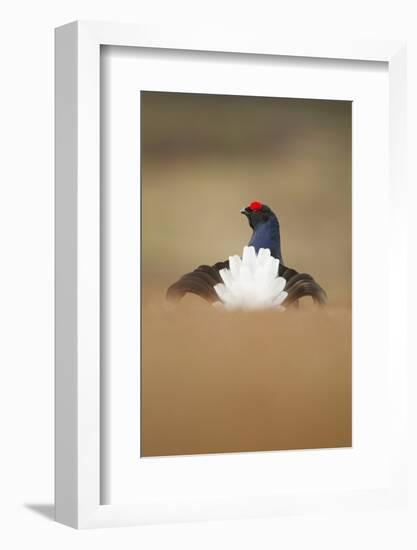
261,263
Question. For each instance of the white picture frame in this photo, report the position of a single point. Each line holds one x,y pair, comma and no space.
78,405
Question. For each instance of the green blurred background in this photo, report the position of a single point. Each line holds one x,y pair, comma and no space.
215,381
204,157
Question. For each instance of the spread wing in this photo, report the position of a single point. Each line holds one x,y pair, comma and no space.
202,280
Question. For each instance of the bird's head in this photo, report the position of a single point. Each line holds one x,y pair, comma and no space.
257,214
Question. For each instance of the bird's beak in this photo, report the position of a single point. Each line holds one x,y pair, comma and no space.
244,211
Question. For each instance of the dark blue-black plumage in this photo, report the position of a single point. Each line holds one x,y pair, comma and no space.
266,232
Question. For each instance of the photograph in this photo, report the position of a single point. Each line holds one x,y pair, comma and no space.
246,260
202,346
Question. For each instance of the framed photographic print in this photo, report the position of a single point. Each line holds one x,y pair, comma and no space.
228,339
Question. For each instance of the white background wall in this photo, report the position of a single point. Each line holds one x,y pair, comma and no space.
26,270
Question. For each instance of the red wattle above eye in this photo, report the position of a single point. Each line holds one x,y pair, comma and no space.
255,205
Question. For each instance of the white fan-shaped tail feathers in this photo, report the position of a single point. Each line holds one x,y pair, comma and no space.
249,258
227,277
252,282
235,264
263,255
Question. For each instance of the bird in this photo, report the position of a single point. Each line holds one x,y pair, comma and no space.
259,279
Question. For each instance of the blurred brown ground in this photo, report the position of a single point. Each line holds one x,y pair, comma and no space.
217,382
